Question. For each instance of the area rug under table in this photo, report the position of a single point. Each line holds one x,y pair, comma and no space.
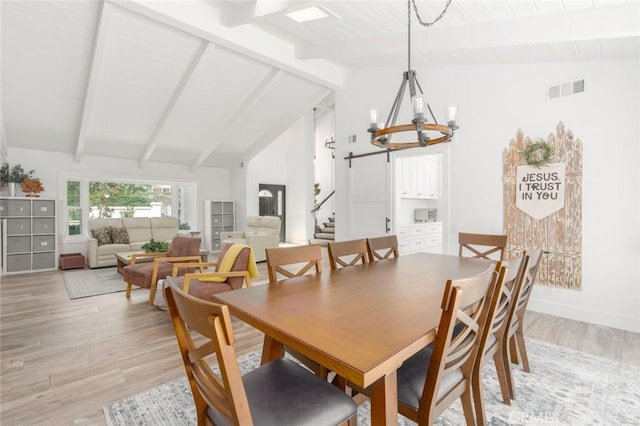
565,387
93,282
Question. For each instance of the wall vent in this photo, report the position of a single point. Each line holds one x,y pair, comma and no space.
566,88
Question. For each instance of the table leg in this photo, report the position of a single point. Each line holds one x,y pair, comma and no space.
271,349
384,401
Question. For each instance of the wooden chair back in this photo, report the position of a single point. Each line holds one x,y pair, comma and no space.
494,333
224,391
347,253
454,354
526,285
509,276
483,246
382,247
293,261
514,343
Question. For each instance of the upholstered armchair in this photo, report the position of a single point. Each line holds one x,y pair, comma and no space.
261,232
160,265
229,273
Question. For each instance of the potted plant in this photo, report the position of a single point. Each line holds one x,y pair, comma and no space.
14,176
32,186
155,247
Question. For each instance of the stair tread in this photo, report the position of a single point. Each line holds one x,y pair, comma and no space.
325,236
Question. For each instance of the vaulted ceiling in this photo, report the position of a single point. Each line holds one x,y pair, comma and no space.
208,82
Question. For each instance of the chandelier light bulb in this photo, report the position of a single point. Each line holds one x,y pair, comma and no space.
373,118
451,113
418,105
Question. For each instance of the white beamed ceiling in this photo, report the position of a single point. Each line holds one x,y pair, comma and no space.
211,83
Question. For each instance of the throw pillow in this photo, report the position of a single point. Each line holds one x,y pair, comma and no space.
103,235
119,235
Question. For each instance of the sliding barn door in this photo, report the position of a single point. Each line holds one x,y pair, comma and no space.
369,195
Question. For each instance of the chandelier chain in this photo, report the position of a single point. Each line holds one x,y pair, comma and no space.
428,24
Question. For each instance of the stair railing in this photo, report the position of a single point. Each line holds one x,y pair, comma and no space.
317,208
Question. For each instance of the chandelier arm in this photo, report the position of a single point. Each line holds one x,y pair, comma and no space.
412,84
395,108
431,112
429,24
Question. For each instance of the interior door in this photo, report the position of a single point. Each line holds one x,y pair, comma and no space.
271,202
369,193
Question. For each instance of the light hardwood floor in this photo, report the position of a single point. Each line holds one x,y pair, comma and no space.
63,360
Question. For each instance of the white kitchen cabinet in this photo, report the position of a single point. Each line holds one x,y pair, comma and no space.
405,177
418,177
420,238
430,177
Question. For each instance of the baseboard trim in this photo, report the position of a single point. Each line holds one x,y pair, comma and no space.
607,319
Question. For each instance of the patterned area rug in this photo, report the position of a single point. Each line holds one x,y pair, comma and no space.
92,282
565,387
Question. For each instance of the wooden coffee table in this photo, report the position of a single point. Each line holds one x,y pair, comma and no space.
124,258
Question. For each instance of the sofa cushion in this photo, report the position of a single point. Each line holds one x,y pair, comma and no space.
103,235
139,228
112,249
119,235
164,228
263,225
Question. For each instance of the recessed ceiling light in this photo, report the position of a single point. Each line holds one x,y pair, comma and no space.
308,14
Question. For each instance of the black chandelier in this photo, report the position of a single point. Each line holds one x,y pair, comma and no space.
427,133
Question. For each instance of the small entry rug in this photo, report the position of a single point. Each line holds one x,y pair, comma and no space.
93,282
565,387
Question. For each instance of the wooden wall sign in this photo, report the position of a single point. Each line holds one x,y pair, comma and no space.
560,232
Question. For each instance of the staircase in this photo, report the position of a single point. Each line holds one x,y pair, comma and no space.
326,234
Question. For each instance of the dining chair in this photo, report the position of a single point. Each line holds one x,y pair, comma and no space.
147,274
293,261
280,392
515,333
494,334
482,246
382,247
432,379
347,253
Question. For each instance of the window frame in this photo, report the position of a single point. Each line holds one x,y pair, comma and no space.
187,189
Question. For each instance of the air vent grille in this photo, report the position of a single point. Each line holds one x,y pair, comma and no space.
566,88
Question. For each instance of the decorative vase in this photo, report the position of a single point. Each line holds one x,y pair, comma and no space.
13,186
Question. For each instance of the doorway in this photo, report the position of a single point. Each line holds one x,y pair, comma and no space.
272,202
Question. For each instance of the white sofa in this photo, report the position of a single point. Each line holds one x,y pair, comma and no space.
262,232
140,231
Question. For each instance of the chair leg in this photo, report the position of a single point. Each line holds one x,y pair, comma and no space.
478,397
353,421
467,408
522,349
504,348
503,375
128,292
514,350
152,293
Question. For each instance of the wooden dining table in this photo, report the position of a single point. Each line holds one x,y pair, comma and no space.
361,322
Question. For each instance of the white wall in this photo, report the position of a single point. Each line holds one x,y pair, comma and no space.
494,101
288,161
212,184
323,164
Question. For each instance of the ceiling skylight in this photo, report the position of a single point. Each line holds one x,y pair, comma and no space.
308,14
